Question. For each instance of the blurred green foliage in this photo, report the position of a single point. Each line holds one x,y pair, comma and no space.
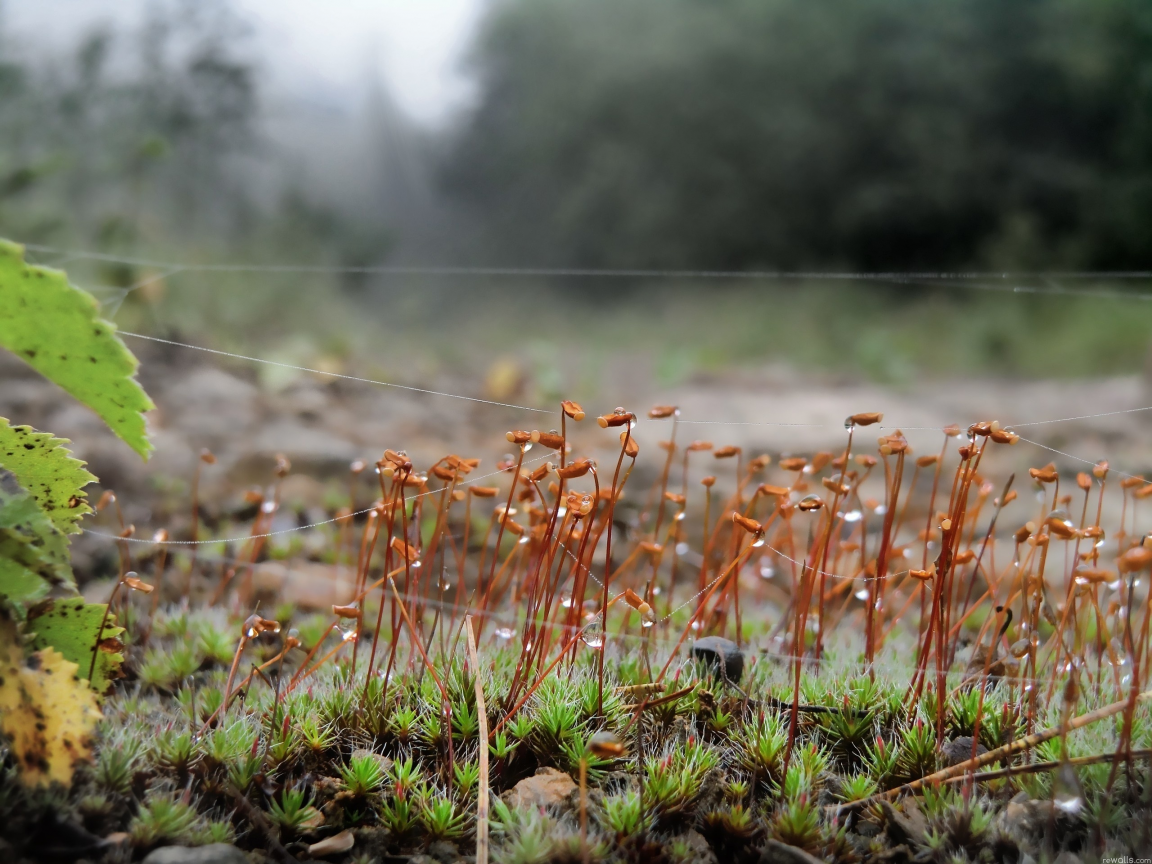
730,134
879,134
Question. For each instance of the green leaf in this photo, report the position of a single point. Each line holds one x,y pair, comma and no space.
70,626
47,470
57,330
33,551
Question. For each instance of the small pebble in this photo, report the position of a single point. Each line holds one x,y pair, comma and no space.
714,650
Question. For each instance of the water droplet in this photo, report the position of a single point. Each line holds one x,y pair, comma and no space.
348,635
1067,796
680,516
853,516
862,594
505,633
767,572
523,540
695,625
526,447
681,548
593,637
880,510
566,601
758,543
267,506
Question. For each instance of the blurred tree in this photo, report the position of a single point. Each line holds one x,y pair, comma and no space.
130,136
785,133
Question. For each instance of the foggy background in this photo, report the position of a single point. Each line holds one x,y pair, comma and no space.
1007,146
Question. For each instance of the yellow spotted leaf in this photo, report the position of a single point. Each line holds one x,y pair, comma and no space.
70,626
47,712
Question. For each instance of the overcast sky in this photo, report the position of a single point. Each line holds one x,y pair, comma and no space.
317,48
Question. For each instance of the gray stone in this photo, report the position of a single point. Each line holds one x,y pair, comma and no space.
208,406
308,448
721,654
379,758
215,853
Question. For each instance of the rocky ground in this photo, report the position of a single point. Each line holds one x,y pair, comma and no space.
323,424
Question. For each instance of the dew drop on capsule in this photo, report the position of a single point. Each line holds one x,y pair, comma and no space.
1020,648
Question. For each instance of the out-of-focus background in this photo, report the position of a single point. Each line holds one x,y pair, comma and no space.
271,178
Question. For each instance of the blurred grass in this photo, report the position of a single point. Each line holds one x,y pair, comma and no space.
569,339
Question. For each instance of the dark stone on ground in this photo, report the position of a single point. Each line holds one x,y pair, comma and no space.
56,839
721,654
1039,828
775,852
701,852
893,855
909,826
215,853
960,750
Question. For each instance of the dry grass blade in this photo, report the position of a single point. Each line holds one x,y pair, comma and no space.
482,715
1041,767
1020,744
